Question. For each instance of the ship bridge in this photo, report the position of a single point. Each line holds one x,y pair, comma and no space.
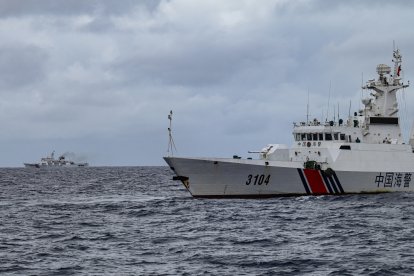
374,128
376,123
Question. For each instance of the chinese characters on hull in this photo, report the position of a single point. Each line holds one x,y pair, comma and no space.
391,179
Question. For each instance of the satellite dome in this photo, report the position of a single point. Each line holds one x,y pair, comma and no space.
383,69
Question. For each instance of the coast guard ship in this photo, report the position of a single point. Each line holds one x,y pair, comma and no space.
50,161
365,154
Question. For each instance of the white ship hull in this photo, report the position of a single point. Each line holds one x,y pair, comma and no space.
364,154
226,177
40,165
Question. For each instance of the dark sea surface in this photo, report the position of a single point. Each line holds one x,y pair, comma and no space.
137,221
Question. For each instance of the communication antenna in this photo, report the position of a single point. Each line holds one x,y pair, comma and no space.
171,144
329,99
362,88
338,112
307,110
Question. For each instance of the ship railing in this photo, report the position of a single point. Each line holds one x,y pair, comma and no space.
310,123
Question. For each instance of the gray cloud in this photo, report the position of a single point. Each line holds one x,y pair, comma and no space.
71,7
21,65
98,78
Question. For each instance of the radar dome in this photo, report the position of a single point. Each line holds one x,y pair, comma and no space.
383,69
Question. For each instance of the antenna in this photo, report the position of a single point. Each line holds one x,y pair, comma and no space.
307,110
362,88
171,144
362,81
338,112
329,99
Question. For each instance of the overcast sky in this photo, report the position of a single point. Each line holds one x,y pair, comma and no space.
98,78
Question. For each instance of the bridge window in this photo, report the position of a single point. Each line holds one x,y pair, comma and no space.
320,136
342,136
345,147
315,136
309,136
328,136
336,136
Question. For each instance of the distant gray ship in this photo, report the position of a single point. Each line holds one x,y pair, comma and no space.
50,161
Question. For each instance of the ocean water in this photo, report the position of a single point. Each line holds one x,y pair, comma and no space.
137,221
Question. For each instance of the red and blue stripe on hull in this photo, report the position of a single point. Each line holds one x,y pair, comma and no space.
318,182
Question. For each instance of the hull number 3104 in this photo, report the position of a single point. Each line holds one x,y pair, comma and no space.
257,179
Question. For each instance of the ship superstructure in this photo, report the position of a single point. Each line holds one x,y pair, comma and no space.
50,161
373,133
364,154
